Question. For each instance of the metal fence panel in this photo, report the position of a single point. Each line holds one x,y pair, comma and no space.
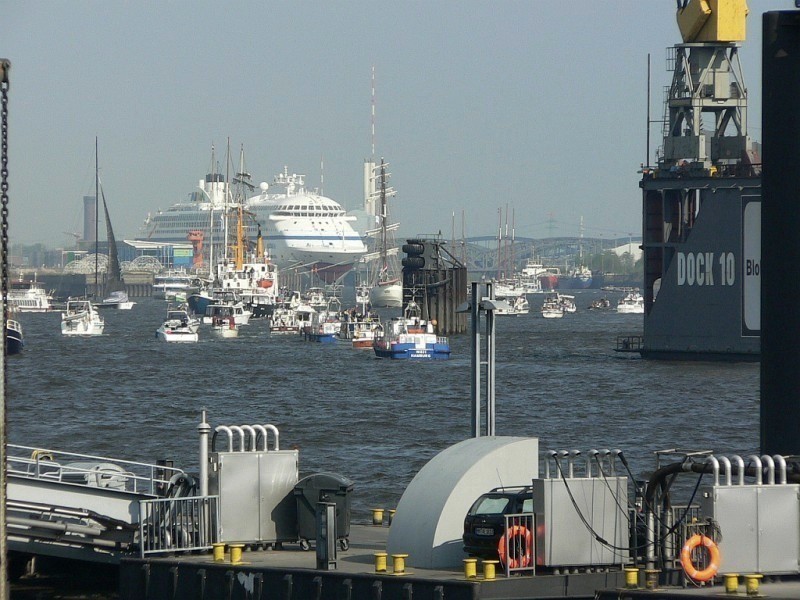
178,524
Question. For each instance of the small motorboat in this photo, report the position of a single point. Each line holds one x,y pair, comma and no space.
225,326
81,318
178,327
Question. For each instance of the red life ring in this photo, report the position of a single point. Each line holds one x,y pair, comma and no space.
265,283
714,557
516,562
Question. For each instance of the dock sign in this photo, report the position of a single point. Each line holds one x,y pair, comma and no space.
751,266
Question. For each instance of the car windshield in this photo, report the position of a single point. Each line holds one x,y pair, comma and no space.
490,505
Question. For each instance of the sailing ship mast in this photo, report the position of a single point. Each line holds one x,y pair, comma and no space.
96,216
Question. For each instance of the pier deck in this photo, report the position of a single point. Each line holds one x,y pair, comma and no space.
291,573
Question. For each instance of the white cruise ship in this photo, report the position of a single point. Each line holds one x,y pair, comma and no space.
301,229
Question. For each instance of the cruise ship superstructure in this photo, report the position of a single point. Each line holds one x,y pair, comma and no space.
301,229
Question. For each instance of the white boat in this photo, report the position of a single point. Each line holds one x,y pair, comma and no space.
178,327
518,306
224,326
567,303
552,307
283,321
303,229
225,306
28,296
81,318
172,282
118,300
508,289
387,288
631,304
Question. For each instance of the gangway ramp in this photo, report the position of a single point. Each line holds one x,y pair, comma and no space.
78,506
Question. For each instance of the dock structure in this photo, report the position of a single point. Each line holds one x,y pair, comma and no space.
437,281
291,574
701,202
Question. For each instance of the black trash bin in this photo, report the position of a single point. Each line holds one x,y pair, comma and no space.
323,487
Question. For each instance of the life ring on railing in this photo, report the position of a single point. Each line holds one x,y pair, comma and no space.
516,562
714,557
265,283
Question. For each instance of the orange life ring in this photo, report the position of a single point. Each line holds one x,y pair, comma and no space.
264,283
714,557
516,562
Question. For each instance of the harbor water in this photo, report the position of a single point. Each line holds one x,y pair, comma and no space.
376,421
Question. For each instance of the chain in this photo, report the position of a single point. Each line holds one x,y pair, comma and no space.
4,85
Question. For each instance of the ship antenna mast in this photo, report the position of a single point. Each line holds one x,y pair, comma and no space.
373,112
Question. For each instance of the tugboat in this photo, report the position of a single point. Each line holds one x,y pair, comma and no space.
410,337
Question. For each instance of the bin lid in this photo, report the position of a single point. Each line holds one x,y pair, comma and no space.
324,481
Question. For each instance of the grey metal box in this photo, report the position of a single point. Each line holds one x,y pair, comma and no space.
562,538
760,526
256,495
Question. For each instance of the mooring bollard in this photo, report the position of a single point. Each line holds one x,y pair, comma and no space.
377,516
651,578
399,563
470,568
219,551
380,562
390,516
751,583
631,578
236,553
490,569
731,582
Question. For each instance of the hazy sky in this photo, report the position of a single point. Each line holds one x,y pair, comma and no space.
538,106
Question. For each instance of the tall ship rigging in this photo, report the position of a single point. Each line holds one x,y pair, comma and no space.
302,229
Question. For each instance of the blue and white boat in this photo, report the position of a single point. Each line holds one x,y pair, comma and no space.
410,337
14,340
325,325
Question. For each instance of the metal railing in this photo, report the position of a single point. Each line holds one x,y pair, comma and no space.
518,550
178,524
93,471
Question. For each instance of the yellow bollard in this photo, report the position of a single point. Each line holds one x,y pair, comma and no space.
236,553
631,578
219,551
390,516
377,516
470,568
731,582
651,578
751,583
380,562
490,569
399,563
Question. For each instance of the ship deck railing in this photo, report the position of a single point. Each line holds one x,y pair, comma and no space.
629,343
172,525
93,471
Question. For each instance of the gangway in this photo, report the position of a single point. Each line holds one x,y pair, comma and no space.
93,508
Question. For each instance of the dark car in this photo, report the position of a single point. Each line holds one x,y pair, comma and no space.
485,522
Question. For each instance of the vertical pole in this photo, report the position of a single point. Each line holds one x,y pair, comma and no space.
647,150
203,429
490,363
5,66
780,220
476,361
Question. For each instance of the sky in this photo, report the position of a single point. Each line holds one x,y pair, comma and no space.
528,111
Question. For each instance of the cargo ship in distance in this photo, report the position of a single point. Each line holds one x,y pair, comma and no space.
302,229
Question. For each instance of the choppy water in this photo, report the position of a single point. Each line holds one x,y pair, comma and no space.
125,394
